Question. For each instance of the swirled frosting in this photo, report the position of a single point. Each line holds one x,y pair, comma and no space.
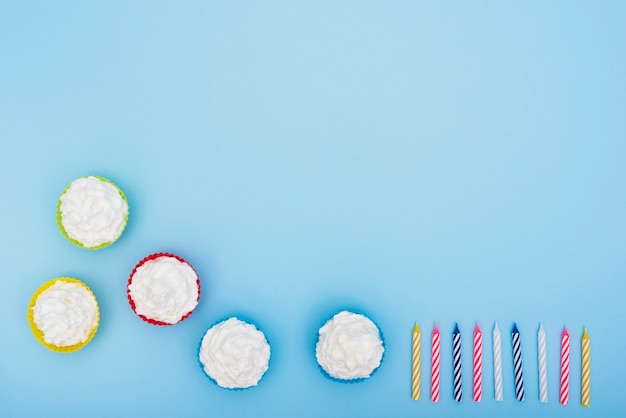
66,313
235,354
164,289
93,212
349,346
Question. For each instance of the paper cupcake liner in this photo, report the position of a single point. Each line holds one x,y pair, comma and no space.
59,219
243,319
358,379
132,302
39,334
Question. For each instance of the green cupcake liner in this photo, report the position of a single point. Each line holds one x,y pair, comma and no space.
78,243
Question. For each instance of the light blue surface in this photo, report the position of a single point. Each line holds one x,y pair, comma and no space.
429,161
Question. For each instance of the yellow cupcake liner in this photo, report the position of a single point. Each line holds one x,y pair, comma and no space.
39,334
59,217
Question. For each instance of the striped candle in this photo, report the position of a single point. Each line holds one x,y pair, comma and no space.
543,367
585,384
416,378
564,367
434,376
497,363
456,354
517,364
478,364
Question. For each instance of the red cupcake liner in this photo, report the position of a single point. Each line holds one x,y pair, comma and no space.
130,280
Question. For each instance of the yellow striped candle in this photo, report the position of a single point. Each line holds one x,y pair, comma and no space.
416,378
585,387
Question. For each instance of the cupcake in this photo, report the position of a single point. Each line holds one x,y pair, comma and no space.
234,354
163,289
63,315
92,212
349,347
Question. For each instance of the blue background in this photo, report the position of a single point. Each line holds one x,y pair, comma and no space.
417,161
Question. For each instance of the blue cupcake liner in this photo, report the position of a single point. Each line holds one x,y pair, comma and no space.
243,319
357,379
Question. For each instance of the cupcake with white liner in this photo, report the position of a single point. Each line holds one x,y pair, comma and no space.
349,347
234,354
63,314
92,212
163,289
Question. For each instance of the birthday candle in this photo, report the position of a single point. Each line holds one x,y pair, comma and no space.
565,367
517,364
585,386
434,376
456,351
497,363
416,389
478,364
543,367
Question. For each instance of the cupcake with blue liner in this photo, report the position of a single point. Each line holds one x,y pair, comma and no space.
350,347
92,212
63,315
234,354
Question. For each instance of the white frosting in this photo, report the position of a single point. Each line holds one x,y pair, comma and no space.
349,346
65,313
235,354
164,289
93,212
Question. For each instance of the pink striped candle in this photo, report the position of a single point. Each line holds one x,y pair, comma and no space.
478,364
564,367
434,377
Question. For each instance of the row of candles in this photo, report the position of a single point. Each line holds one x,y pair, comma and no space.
518,375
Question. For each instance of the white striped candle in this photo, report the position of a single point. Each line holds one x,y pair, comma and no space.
497,363
543,366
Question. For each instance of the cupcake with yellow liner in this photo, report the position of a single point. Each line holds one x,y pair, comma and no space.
63,314
92,212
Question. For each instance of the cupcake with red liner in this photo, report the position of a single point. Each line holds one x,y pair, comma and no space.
163,289
63,314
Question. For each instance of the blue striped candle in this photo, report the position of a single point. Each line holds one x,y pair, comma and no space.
456,351
517,364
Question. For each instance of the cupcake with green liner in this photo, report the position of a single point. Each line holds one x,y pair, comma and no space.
349,347
63,314
92,212
234,354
